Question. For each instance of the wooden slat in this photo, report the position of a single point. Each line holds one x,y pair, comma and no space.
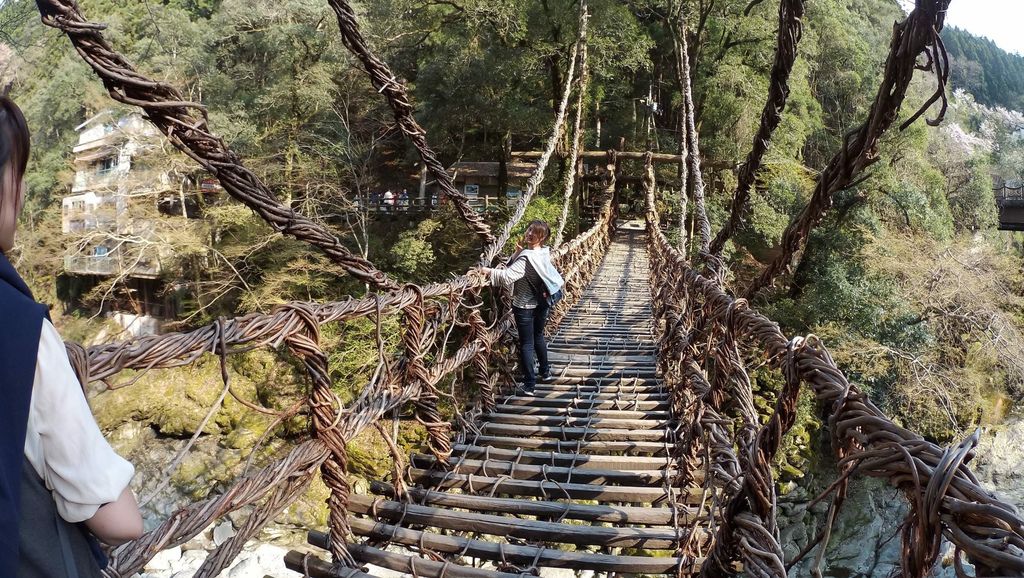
590,447
495,468
622,398
520,555
550,490
613,402
582,412
592,421
579,461
420,567
655,516
573,433
317,568
532,530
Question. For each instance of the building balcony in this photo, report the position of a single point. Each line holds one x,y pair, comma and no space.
111,264
102,265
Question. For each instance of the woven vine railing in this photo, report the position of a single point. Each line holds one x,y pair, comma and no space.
707,339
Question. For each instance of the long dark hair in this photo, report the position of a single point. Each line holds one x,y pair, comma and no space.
15,140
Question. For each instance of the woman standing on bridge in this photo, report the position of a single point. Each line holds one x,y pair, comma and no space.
60,481
534,280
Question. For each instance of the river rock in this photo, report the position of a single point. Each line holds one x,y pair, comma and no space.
222,533
865,539
999,462
165,559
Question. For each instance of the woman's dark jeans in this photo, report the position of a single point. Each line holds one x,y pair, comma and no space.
530,323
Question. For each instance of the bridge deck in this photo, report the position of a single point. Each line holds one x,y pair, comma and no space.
575,476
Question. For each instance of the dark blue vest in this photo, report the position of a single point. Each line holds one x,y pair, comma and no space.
21,320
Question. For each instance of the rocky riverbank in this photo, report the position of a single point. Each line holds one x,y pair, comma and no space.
865,541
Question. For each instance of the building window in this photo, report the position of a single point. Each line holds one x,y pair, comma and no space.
106,166
101,251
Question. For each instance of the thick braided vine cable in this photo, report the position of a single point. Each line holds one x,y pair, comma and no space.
693,159
917,34
326,410
185,125
535,180
577,129
398,99
791,14
427,412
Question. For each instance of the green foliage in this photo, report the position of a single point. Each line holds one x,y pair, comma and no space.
994,76
413,255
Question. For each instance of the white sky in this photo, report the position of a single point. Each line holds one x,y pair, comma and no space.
998,20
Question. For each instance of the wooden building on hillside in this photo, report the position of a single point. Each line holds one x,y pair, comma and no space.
480,181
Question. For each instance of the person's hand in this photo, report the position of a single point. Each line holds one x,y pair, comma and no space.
485,270
519,246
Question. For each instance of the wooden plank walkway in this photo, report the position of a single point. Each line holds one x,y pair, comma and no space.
575,475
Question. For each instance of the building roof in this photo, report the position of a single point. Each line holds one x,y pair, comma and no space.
91,120
517,170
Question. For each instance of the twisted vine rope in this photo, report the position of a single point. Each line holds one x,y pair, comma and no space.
185,124
398,99
791,13
577,129
535,180
693,161
917,34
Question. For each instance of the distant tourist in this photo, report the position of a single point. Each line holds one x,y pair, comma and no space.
403,199
536,286
61,484
389,200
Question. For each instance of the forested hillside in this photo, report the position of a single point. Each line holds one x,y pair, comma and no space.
994,76
920,299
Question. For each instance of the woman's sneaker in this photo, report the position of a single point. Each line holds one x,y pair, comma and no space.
545,377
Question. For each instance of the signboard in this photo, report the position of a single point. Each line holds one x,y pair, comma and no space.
209,185
471,191
512,196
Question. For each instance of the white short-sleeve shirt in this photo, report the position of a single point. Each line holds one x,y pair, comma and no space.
63,442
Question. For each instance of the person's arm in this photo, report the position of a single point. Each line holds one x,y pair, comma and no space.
508,275
117,522
88,480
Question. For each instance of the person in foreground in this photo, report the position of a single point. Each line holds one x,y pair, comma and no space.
534,281
61,484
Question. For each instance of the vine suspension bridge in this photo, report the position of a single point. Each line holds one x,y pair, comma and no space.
645,453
